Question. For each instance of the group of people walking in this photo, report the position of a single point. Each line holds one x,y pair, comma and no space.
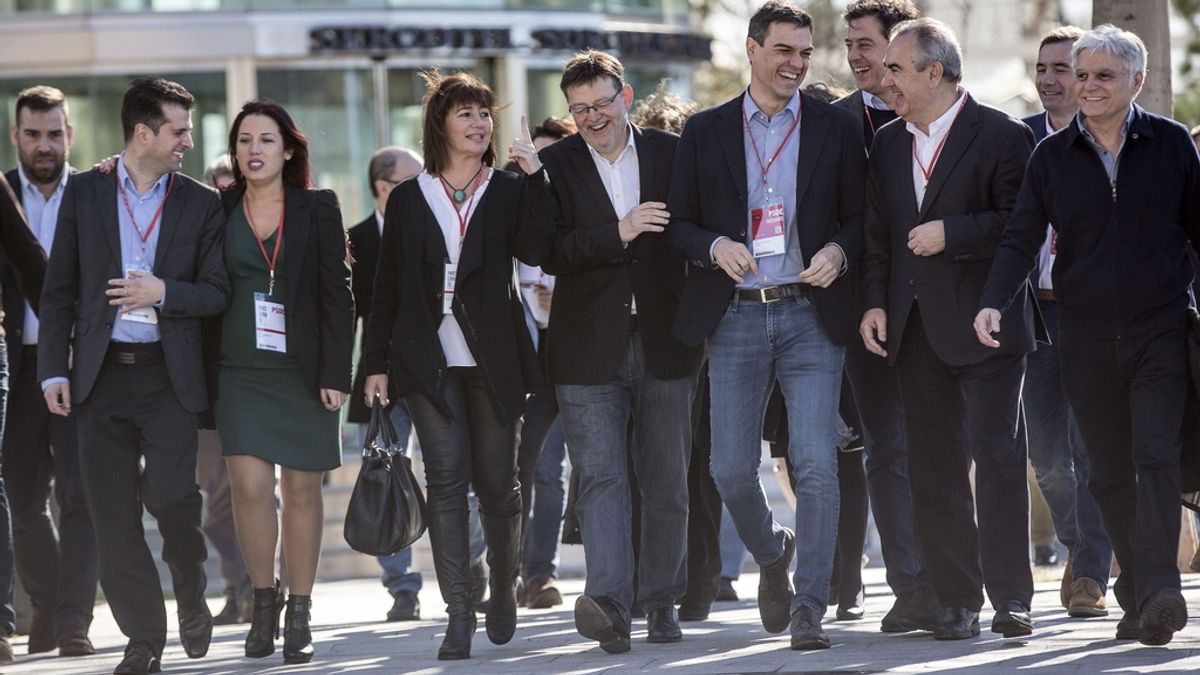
903,240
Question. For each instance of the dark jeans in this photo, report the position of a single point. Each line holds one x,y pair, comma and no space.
540,559
704,507
132,414
956,415
1060,461
1129,396
7,616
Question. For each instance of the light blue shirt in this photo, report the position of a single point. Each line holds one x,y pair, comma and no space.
1108,159
134,253
42,214
767,134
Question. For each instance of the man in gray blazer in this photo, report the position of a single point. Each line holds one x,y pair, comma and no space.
136,264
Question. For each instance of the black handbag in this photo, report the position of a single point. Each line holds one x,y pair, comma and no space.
387,509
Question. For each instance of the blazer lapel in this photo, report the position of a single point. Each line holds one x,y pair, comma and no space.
733,142
586,166
169,223
298,230
107,194
471,257
902,169
960,137
814,123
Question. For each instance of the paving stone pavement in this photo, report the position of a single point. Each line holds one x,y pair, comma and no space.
351,638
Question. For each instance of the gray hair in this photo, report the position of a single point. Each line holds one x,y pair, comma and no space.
935,44
218,168
383,164
1109,39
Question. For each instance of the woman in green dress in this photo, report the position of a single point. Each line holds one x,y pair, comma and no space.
285,361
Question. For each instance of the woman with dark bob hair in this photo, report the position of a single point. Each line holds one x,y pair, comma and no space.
285,360
447,327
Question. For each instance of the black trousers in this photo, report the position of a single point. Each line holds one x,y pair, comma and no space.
956,415
132,415
58,569
1128,395
704,507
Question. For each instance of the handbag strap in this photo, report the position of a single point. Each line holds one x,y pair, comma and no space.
381,433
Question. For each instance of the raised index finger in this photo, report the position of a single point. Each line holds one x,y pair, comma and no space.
525,136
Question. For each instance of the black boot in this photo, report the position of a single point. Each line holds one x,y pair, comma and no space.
264,623
297,636
503,537
450,542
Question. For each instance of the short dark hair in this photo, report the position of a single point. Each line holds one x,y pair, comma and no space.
1061,34
887,12
41,98
775,11
554,128
591,65
295,170
144,101
442,95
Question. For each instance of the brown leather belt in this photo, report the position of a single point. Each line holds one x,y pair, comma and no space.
1044,294
773,293
134,354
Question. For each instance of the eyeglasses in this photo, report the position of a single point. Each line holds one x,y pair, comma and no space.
581,110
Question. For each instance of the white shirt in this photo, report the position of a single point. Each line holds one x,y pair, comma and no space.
379,220
927,144
1045,259
450,334
622,182
42,214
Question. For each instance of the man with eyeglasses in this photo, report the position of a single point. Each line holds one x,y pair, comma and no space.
619,376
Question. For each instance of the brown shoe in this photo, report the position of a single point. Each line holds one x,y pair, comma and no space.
1064,589
542,594
1087,600
41,635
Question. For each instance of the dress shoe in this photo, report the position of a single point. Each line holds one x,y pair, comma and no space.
775,588
805,627
598,619
75,642
542,594
6,651
195,629
139,659
693,611
456,645
918,609
297,634
1045,555
1163,615
1012,620
41,635
1086,599
662,625
1129,627
899,618
852,611
1064,588
725,591
406,607
229,614
957,623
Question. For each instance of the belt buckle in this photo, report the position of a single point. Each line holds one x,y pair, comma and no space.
762,295
126,358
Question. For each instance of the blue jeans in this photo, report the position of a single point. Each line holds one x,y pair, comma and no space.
1060,460
549,499
398,576
597,419
733,551
753,345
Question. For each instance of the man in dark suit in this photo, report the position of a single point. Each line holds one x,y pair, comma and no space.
1121,187
58,569
21,248
876,391
1056,449
619,376
389,167
137,262
939,188
766,206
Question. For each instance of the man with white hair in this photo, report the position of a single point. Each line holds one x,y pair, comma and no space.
1121,187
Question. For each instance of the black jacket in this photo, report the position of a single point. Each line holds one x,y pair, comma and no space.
1122,266
364,246
14,262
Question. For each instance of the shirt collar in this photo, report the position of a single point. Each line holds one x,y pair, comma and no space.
1088,135
29,187
629,147
751,108
940,126
379,218
127,180
872,101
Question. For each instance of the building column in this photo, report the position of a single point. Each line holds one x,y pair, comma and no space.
512,90
241,83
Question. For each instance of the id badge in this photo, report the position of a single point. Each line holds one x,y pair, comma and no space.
270,324
448,279
143,315
767,224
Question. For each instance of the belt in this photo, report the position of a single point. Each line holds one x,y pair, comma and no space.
773,293
1044,294
134,354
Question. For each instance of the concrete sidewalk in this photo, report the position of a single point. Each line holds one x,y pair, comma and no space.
351,637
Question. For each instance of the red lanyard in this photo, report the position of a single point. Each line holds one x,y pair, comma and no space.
143,237
937,152
870,122
757,156
463,219
263,249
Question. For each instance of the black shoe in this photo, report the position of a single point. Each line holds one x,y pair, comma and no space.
598,619
503,536
459,632
662,626
297,634
852,611
195,629
406,607
1045,555
229,614
138,659
957,623
805,627
775,588
75,642
1129,627
1012,620
899,618
689,611
41,635
264,622
1163,615
726,591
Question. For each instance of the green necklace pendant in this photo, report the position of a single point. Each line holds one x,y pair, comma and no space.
460,196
